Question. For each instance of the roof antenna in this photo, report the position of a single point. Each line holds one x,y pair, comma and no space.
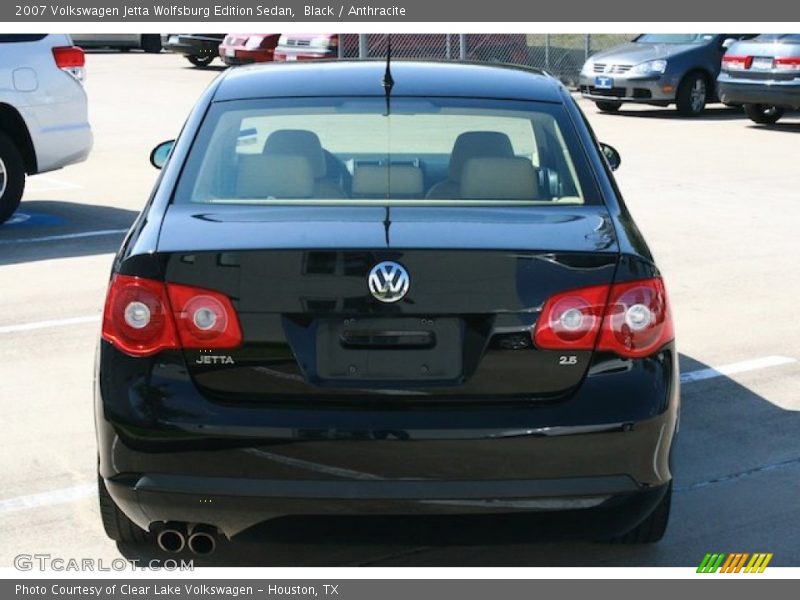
388,82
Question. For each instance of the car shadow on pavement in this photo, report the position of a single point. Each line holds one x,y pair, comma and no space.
736,462
211,67
720,113
779,127
46,229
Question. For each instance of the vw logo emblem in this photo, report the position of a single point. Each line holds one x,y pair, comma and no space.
388,281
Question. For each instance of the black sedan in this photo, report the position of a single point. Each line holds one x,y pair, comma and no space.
200,49
361,290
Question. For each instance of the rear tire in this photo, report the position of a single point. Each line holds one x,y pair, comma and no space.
692,94
151,43
652,529
763,114
608,106
12,177
200,61
117,525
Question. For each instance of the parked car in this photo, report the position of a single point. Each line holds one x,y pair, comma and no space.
658,69
200,49
149,42
248,48
43,111
352,297
763,74
307,46
504,48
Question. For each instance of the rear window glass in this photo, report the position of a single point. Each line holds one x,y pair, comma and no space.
360,150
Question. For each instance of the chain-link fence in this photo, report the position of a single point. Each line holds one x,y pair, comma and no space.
562,55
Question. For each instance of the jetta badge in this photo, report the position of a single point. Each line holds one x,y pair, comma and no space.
388,281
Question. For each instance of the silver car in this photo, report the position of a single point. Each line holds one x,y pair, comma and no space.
763,74
659,69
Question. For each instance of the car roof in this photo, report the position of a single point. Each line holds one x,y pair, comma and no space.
364,78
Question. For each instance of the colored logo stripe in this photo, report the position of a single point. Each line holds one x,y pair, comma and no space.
710,563
733,563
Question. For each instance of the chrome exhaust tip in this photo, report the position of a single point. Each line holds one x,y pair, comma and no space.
170,539
202,538
202,542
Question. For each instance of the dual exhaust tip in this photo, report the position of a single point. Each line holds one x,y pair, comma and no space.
200,539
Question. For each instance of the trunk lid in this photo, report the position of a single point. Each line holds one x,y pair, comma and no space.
297,276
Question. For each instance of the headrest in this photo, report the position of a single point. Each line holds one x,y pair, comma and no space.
277,176
375,181
298,142
499,179
478,144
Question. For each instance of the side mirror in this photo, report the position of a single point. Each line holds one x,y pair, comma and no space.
160,154
728,42
611,155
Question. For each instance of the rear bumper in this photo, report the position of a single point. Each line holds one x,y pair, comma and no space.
597,506
169,454
785,94
191,46
245,56
61,133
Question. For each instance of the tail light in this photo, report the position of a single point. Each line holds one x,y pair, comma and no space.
736,63
631,319
788,64
72,60
143,317
205,319
571,320
637,320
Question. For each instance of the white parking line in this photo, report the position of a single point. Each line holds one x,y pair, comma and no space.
70,494
79,492
42,183
64,236
739,367
48,324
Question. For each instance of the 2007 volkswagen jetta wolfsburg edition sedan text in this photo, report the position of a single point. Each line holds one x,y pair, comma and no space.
362,290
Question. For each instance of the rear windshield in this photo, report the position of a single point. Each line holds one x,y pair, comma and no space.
361,150
675,38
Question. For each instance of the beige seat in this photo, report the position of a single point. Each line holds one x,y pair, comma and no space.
301,142
264,176
470,144
499,179
383,181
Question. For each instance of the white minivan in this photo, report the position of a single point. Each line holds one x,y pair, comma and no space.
44,121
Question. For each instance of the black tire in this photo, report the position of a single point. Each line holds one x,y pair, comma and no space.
12,177
200,61
693,94
151,43
764,114
652,529
608,106
118,526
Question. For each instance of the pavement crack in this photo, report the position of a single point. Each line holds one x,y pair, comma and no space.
734,476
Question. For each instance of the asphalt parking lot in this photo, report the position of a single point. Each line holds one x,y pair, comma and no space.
717,199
